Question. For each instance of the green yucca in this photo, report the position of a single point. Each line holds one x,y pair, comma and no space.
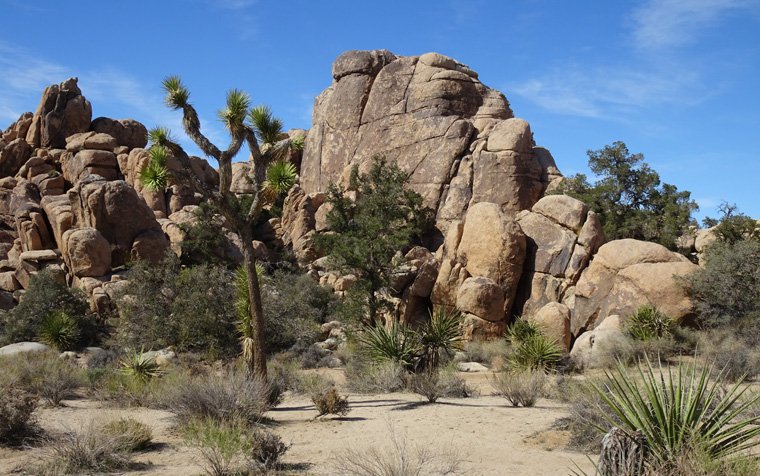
243,311
442,333
520,330
59,330
155,175
675,410
648,323
140,365
267,127
536,352
398,344
281,176
233,115
177,95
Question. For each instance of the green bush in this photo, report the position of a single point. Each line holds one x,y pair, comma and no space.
521,330
59,330
726,290
140,365
190,309
44,297
205,242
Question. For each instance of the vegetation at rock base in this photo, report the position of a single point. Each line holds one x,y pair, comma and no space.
40,315
260,130
629,198
366,232
648,323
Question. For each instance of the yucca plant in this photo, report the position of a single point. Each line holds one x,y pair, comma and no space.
243,311
442,333
59,330
536,352
281,176
140,365
398,344
681,409
520,330
648,323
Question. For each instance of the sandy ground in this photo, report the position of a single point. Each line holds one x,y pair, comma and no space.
490,437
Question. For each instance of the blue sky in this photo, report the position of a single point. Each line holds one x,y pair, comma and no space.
676,80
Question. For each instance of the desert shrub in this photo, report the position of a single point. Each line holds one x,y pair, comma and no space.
399,345
228,448
441,382
689,410
520,388
295,305
399,457
730,353
43,374
330,402
190,309
86,451
726,290
229,397
649,323
536,352
384,377
16,420
46,296
266,449
131,434
204,242
121,389
426,384
586,413
452,385
492,353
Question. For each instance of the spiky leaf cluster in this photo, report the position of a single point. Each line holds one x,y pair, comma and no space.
267,127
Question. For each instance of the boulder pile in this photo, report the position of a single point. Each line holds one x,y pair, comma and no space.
71,201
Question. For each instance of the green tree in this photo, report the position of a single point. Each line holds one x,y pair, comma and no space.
365,233
733,226
629,198
261,131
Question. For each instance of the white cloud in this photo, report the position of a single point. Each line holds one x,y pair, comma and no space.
660,24
607,92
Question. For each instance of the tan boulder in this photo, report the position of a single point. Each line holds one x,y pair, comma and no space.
241,181
475,328
90,140
58,212
599,348
554,321
451,275
493,246
482,297
87,252
85,162
627,274
567,211
13,156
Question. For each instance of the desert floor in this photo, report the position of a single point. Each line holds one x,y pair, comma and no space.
489,436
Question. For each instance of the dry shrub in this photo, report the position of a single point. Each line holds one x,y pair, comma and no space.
131,434
488,352
330,402
126,391
266,449
87,451
370,378
585,415
426,384
16,421
229,397
399,458
520,388
443,382
44,374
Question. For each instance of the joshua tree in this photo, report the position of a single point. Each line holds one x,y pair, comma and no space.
256,127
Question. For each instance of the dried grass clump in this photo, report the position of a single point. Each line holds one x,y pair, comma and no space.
131,434
17,423
520,388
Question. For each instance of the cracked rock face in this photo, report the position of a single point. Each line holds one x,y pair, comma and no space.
457,138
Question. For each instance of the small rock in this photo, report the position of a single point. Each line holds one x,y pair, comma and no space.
472,367
23,348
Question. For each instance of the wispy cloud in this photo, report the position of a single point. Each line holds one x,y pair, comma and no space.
233,4
660,24
606,92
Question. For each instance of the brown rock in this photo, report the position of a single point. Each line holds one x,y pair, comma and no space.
493,246
475,328
84,162
554,320
127,132
564,210
13,156
482,297
62,112
450,278
87,252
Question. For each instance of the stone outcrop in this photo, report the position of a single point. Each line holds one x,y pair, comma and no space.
562,235
457,138
627,274
63,111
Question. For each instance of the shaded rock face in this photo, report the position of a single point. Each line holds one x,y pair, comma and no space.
62,112
456,137
562,235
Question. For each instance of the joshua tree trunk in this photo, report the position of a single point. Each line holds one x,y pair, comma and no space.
257,362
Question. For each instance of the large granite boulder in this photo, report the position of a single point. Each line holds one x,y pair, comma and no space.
126,132
116,210
457,138
62,112
627,274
